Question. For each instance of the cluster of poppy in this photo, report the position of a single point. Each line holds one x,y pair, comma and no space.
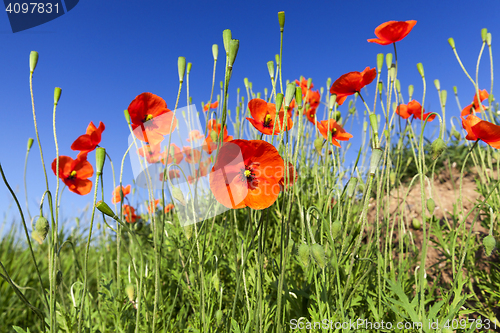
75,172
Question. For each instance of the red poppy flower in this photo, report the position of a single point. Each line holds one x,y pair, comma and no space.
292,177
392,32
202,171
303,85
338,132
247,173
149,113
312,98
116,195
192,155
213,130
173,155
195,135
413,108
475,106
129,213
172,174
152,206
168,208
264,114
481,129
151,153
89,141
214,105
75,173
351,83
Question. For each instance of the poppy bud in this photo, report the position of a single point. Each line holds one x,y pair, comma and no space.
365,126
318,144
226,38
331,101
374,123
321,91
42,229
455,134
289,94
259,94
104,208
277,58
337,116
177,194
318,254
329,82
298,96
416,224
245,82
30,143
59,278
437,84
410,91
351,186
388,60
392,72
215,51
304,254
234,45
218,317
420,69
336,229
279,101
237,113
100,156
33,61
484,33
57,95
380,87
392,177
281,19
181,67
215,281
489,244
309,83
455,90
380,62
488,39
437,148
250,84
188,231
189,65
444,95
270,68
451,41
127,116
129,290
431,205
375,160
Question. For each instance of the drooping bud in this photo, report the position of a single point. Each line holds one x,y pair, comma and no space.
451,41
226,38
489,244
177,194
104,208
270,68
33,61
57,95
281,19
41,229
289,94
100,156
380,62
455,134
30,143
304,254
431,205
420,69
375,160
318,254
215,51
181,67
336,229
437,148
234,45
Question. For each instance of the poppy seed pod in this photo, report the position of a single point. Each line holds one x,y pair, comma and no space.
234,45
226,37
398,86
437,147
105,209
392,72
328,82
420,69
100,156
215,51
304,254
33,61
57,95
309,83
455,90
489,244
331,101
181,66
318,254
245,82
270,68
336,229
380,87
451,41
281,19
484,33
30,143
277,59
289,94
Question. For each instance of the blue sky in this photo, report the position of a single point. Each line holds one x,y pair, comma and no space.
102,55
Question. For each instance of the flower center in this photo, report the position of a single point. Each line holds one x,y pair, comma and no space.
267,120
148,117
247,173
72,174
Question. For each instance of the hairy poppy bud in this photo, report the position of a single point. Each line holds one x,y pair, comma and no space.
388,60
304,254
181,67
33,61
188,231
41,229
451,41
30,143
318,144
416,224
281,19
410,91
375,160
455,134
437,84
336,229
420,69
351,186
380,62
127,116
318,254
298,96
129,290
218,317
100,156
104,208
234,45
226,37
484,33
59,278
177,194
437,147
270,68
489,244
431,205
57,95
215,281
488,39
289,94
215,51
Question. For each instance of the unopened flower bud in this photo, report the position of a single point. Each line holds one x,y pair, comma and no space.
41,229
455,134
277,59
431,205
416,224
455,90
351,186
337,116
484,33
318,254
218,317
488,39
234,45
127,116
410,91
336,229
100,156
245,82
375,160
226,38
215,51
30,143
420,69
298,96
281,19
270,68
444,96
57,95
129,290
451,41
188,69
59,278
437,148
304,254
33,61
328,82
181,67
188,231
289,93
380,62
318,144
489,244
105,209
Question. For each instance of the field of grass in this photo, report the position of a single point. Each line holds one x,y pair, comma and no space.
401,239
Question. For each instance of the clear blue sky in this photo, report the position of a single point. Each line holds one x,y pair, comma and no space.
103,54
